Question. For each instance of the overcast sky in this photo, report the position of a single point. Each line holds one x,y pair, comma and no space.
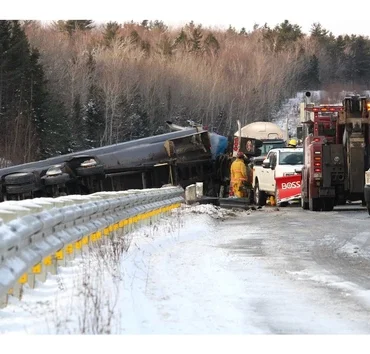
352,18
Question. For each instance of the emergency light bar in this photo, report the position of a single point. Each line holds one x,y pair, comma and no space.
327,109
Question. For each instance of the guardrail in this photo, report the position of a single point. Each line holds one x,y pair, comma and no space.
38,235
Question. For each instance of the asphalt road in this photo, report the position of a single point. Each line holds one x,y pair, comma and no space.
204,270
325,254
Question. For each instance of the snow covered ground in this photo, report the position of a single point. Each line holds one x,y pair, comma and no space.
181,276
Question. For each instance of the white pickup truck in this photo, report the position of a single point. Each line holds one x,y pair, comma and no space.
278,163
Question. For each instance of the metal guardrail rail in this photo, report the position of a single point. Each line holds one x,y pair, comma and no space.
38,235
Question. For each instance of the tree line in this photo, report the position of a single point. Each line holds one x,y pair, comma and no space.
72,85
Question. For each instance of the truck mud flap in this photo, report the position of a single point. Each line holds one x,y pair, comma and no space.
327,192
288,188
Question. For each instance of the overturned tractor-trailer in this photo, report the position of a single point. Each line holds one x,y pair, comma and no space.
180,157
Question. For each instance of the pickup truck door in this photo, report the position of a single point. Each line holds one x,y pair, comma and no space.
263,175
269,175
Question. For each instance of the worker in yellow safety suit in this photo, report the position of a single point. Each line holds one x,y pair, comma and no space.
238,175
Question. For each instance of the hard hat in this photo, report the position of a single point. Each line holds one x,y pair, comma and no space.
240,154
292,142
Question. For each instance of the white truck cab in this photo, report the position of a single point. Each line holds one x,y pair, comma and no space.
278,163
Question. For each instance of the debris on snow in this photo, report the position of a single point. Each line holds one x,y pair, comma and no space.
211,210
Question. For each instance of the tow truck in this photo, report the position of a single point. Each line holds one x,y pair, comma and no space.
335,154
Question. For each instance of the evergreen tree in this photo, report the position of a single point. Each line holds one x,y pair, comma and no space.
136,120
110,32
78,126
310,78
195,39
71,26
5,74
94,117
23,94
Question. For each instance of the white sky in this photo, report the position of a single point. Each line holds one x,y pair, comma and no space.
352,18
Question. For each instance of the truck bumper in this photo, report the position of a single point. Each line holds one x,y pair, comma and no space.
367,193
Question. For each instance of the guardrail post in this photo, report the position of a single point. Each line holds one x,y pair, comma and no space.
69,253
42,274
60,256
78,247
18,287
31,279
3,301
50,264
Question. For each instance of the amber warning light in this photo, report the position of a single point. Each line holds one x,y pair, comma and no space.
327,109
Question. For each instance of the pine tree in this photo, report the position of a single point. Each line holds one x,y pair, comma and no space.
110,32
93,117
196,38
71,26
5,75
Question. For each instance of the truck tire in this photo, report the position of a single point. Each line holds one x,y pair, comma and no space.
368,207
341,200
314,204
259,196
19,189
90,171
52,180
19,178
328,204
304,204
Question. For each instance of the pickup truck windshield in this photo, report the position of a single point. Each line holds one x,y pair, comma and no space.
265,148
291,158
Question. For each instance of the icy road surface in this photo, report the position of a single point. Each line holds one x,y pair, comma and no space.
208,271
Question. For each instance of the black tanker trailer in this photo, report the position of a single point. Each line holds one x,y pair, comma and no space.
181,157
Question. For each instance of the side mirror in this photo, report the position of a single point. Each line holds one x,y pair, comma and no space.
266,163
298,170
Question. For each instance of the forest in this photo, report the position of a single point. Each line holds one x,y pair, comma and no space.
72,85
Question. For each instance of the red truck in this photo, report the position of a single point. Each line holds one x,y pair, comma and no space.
336,146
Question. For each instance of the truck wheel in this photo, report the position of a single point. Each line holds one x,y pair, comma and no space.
259,196
19,178
19,189
341,200
61,179
304,204
328,204
90,171
314,204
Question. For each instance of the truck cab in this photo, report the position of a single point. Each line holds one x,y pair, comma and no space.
279,162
